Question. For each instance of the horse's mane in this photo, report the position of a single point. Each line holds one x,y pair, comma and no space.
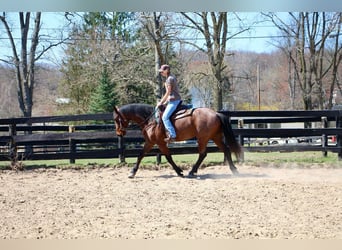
141,109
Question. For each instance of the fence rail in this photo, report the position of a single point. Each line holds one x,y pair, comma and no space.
63,137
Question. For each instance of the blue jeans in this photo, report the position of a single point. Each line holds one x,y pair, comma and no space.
170,108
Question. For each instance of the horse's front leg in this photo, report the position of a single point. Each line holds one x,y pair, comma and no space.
178,170
165,150
147,148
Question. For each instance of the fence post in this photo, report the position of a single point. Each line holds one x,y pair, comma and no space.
241,140
12,144
324,124
339,137
158,158
122,149
72,145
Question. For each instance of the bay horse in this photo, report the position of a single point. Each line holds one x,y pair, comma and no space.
203,123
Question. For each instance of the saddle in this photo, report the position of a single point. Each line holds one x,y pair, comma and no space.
181,111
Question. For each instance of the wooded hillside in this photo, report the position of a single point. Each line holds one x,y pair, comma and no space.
46,92
274,89
112,58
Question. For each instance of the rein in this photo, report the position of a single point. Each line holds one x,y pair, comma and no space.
148,118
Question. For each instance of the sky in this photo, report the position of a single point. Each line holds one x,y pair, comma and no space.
256,40
52,22
175,5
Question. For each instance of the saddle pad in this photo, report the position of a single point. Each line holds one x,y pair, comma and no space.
178,114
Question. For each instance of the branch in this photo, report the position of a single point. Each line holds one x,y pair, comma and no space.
197,26
8,30
40,54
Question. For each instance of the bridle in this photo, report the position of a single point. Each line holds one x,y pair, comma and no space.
121,121
122,127
140,124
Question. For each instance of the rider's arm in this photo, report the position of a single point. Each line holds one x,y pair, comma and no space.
168,88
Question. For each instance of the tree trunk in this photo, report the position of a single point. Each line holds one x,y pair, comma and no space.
214,31
152,26
25,63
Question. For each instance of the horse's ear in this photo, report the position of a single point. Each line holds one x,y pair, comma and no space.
116,110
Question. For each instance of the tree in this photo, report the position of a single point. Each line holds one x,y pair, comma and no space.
104,97
94,43
335,57
308,36
154,28
161,32
80,72
110,25
200,81
214,28
25,54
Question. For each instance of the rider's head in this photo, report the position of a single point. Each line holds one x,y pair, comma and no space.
164,70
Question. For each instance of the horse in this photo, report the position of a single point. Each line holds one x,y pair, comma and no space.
203,123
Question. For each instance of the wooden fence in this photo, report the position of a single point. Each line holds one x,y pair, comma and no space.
79,136
323,125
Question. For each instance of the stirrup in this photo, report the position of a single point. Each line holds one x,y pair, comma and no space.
169,140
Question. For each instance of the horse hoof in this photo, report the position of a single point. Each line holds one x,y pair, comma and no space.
180,175
192,175
131,175
235,172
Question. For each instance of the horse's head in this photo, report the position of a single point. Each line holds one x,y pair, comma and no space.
121,123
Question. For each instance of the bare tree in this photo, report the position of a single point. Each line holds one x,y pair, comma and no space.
160,32
25,54
308,35
200,81
213,26
335,57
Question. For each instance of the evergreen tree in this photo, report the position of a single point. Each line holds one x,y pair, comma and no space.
114,40
104,97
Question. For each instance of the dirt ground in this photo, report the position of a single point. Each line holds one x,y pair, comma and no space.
262,202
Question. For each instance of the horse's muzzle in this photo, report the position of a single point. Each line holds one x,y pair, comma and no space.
120,132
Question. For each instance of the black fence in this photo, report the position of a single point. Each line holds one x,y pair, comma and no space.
289,131
81,137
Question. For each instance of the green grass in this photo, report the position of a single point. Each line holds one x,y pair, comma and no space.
211,159
297,157
188,160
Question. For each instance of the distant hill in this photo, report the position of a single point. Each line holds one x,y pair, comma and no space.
45,93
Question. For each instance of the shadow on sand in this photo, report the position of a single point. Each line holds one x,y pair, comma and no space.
217,176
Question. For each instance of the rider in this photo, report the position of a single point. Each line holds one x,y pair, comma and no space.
172,98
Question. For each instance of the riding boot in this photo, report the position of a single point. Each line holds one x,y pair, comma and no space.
168,138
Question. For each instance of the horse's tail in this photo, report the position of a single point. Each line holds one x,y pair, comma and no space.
233,144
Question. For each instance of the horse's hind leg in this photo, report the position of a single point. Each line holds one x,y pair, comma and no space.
202,149
228,157
195,167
